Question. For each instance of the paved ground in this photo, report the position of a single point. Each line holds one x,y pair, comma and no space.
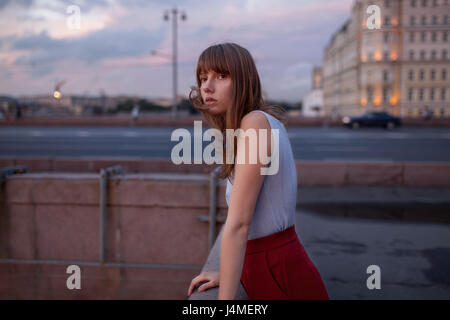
414,258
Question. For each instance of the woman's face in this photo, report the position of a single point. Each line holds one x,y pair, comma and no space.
216,90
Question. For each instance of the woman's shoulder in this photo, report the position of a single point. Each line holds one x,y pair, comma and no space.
255,119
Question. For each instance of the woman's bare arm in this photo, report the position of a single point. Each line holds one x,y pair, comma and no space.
246,187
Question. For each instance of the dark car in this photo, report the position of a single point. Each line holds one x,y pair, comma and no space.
372,119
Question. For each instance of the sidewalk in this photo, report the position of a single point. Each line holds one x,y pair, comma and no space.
160,119
414,258
346,229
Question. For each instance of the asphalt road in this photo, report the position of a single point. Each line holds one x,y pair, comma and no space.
315,143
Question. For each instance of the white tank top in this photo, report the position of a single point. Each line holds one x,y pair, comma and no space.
277,199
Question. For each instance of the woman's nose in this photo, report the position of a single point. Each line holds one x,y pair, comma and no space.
208,86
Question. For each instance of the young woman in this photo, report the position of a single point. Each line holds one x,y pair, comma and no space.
259,248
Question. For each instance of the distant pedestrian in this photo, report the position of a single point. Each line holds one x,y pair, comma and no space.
134,114
428,113
18,112
334,114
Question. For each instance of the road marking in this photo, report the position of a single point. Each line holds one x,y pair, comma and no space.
321,135
143,148
131,134
36,133
397,135
83,134
340,135
89,149
343,148
355,135
359,159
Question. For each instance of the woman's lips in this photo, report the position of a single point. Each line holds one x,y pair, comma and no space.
209,102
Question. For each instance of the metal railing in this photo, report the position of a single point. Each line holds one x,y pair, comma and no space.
213,239
11,170
212,217
104,176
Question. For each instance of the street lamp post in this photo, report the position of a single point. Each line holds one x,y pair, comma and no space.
175,12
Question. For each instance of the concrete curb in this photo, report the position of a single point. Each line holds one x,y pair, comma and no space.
309,173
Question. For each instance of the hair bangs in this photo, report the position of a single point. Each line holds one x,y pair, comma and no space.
214,59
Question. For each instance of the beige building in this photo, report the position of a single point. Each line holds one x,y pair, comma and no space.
401,67
313,100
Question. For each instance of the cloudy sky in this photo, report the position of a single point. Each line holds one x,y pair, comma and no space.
110,52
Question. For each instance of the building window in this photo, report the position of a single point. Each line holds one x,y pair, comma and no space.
432,94
445,19
435,3
444,74
411,75
386,37
413,3
433,36
433,54
435,20
422,54
410,94
385,75
411,55
432,74
387,20
385,94
424,3
423,36
424,20
411,37
386,55
369,94
386,3
422,74
444,54
443,94
444,36
421,93
412,20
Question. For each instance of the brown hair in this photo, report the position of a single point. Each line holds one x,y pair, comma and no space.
236,61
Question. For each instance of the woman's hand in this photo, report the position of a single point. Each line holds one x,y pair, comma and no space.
212,278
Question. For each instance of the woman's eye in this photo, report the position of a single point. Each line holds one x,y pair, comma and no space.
221,76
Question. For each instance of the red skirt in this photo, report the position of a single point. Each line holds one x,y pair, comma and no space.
277,267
